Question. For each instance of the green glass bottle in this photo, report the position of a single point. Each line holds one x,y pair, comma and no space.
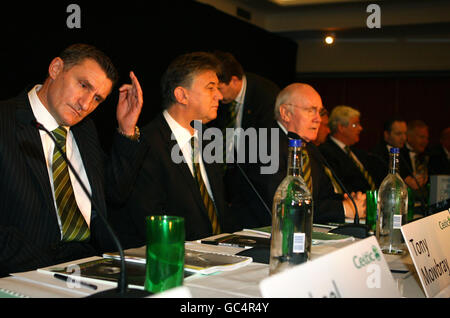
292,215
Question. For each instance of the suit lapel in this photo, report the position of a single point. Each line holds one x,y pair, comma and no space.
87,145
183,169
30,144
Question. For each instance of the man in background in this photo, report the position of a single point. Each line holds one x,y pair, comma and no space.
248,99
440,155
394,135
416,156
352,165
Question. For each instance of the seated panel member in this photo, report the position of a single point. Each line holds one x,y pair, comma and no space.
297,109
352,165
164,184
394,135
45,217
440,155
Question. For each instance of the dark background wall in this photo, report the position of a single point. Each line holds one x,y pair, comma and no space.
143,36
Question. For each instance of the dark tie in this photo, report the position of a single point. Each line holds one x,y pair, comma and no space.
361,168
74,226
207,201
306,169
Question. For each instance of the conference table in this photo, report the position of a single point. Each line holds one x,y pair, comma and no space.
242,282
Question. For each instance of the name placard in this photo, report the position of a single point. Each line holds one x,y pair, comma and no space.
428,242
358,270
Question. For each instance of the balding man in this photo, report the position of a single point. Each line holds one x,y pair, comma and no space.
297,109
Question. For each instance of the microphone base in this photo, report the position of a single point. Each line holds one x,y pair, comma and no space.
356,230
115,293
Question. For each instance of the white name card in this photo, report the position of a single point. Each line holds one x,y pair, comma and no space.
358,270
428,242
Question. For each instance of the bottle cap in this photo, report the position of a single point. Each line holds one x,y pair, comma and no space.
394,150
295,142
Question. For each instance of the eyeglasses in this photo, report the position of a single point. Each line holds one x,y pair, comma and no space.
311,111
355,125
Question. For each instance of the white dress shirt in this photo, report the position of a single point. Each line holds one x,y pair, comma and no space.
183,138
72,152
239,114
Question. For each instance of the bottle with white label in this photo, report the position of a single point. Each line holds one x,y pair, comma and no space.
392,208
292,215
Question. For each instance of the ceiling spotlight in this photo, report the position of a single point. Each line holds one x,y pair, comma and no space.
329,39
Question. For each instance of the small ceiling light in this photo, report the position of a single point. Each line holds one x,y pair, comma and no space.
329,39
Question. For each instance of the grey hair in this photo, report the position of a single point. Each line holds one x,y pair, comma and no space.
341,115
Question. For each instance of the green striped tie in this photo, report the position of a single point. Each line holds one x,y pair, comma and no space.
74,227
362,169
336,186
209,204
306,169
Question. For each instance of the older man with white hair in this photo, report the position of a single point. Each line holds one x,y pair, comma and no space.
297,109
352,165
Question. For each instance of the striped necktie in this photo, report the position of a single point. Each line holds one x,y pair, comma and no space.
336,186
74,226
306,169
207,201
361,168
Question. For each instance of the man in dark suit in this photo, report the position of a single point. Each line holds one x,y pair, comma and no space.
248,98
247,102
394,135
352,165
45,217
417,156
168,182
440,155
297,109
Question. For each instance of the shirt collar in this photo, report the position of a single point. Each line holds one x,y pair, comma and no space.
411,150
282,127
339,143
182,135
40,112
240,97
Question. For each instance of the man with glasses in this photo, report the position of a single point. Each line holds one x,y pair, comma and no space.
352,165
298,109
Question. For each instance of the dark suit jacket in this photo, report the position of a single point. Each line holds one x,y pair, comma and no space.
165,187
380,155
29,232
439,163
259,104
344,167
327,204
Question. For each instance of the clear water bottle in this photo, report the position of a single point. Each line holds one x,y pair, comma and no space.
392,209
292,215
